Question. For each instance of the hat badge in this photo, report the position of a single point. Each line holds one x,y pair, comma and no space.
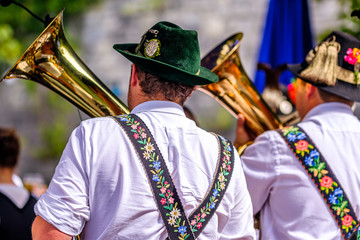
152,46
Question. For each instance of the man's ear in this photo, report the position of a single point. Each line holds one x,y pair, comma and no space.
134,77
311,90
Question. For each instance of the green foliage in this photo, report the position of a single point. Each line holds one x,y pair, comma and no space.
133,8
53,136
348,24
10,47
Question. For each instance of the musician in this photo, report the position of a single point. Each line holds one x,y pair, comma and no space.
283,185
100,188
16,202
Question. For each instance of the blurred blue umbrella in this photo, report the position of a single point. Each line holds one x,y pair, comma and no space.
287,37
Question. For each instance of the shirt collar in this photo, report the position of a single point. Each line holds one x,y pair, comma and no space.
159,106
329,107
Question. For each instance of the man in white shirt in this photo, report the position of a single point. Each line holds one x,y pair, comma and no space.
290,204
100,189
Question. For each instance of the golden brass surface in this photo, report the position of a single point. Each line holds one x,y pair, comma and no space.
234,90
52,62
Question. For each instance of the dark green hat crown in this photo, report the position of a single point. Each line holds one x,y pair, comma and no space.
170,52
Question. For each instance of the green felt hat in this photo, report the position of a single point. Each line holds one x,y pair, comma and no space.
170,52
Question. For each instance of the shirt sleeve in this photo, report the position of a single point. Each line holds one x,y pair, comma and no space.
241,222
259,162
65,203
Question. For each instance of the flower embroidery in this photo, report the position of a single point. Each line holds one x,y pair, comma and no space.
327,184
291,137
171,221
182,230
165,190
309,161
301,136
220,185
156,165
303,147
314,154
317,168
221,176
175,213
156,178
136,136
149,147
347,220
338,191
333,199
146,155
215,192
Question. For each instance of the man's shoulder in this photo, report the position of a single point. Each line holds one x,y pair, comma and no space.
98,121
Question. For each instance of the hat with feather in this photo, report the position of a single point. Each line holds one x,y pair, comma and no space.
170,52
333,66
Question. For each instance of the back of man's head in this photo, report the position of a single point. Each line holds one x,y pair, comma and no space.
330,97
152,86
9,147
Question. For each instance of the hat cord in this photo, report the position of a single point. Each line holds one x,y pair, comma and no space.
323,63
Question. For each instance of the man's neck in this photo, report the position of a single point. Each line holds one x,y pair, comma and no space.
6,174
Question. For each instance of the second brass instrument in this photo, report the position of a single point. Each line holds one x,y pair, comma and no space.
234,90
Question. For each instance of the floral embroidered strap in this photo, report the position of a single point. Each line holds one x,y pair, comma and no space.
323,177
356,233
164,191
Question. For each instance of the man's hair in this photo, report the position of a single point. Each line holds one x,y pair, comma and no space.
9,147
330,97
152,85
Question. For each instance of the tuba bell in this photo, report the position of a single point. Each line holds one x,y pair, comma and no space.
52,62
234,90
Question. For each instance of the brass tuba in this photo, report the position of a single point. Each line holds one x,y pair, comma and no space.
52,62
234,90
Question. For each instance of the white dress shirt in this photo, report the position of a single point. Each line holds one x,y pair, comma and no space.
100,187
290,204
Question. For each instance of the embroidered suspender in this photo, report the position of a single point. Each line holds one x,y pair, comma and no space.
163,188
323,177
356,233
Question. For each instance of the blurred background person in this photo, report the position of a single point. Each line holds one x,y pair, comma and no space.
16,202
